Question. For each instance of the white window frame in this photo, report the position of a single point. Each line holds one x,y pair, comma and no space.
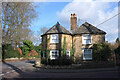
86,38
87,53
51,38
69,52
52,54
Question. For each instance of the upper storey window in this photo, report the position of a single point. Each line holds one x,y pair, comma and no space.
86,39
54,38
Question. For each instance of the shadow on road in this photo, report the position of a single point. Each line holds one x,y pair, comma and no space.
30,61
20,72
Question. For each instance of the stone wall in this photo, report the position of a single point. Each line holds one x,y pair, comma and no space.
98,38
68,41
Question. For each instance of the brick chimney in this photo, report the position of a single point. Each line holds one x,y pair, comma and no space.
73,21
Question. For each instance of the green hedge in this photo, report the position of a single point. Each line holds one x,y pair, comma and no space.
59,61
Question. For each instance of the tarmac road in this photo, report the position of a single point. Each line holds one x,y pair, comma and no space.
24,69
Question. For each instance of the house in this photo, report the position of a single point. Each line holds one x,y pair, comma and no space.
79,41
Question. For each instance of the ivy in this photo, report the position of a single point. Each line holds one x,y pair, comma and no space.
72,51
64,47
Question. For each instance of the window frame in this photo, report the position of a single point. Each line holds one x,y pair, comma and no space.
69,53
87,53
52,54
51,38
86,38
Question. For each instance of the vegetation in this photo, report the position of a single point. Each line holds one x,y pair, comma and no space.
28,47
9,52
38,50
118,41
59,61
16,19
101,52
117,51
72,52
64,47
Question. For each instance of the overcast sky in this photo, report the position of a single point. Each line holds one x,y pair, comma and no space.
93,12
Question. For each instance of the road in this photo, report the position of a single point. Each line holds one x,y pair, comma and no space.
24,69
16,68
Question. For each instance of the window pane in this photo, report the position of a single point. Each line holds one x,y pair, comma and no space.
87,56
54,54
87,51
86,39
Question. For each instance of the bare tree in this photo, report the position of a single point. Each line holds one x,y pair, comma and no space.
43,30
17,17
38,38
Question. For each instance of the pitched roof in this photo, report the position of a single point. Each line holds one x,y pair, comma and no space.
87,28
57,28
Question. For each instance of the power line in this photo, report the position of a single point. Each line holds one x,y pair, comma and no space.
108,19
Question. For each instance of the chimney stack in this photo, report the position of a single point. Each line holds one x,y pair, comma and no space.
73,21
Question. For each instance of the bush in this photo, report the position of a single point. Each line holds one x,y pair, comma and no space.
38,50
101,52
43,61
60,61
9,52
117,51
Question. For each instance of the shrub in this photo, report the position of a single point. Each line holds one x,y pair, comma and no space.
9,52
101,52
60,61
117,51
43,61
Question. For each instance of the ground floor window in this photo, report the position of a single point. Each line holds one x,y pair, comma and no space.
68,53
87,54
54,54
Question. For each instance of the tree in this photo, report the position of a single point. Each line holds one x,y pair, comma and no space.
37,38
117,42
43,30
27,46
101,52
17,17
117,51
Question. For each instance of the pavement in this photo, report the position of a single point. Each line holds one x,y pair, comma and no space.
25,69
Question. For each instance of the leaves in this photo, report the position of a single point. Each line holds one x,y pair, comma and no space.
101,52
